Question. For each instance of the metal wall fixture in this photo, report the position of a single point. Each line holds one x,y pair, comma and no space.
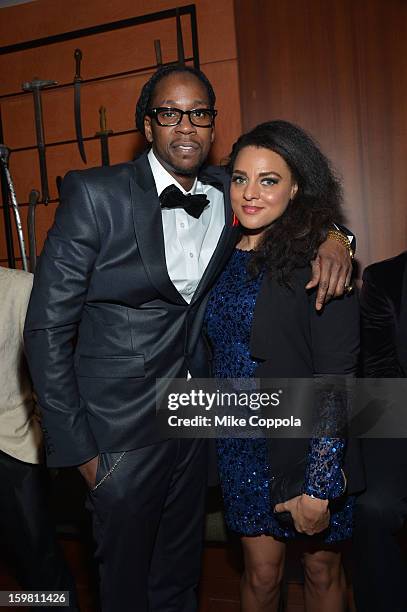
174,13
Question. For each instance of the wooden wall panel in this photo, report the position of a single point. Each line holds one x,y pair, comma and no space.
381,39
131,48
47,17
337,69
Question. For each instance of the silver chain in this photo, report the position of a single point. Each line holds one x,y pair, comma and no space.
114,466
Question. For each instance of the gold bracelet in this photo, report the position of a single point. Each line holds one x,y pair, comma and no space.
339,237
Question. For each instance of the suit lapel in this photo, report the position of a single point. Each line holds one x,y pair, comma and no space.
218,178
149,230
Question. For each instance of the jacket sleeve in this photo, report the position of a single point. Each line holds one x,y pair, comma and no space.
59,292
379,355
335,347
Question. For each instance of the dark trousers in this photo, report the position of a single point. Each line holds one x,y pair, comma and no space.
148,517
28,531
380,568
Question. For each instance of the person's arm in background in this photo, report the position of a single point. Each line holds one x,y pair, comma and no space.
379,355
24,289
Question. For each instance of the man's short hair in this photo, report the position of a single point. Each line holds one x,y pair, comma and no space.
147,92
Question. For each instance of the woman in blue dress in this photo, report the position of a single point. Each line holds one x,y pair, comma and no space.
262,322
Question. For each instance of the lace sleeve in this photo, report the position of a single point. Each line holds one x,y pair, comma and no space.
324,477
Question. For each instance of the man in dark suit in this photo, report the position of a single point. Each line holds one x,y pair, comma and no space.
118,301
380,568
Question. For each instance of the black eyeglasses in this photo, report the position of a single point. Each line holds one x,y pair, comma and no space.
168,116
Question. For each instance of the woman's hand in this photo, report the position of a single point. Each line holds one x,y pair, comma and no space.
331,271
310,514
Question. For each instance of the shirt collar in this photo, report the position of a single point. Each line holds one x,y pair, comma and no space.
163,178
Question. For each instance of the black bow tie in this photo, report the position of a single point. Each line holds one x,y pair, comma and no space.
172,197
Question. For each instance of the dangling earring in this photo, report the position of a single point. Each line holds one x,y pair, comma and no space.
235,222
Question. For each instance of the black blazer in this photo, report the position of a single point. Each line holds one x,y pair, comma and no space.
105,320
383,302
296,341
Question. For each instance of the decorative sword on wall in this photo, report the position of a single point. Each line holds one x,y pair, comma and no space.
180,42
158,54
103,136
4,159
32,241
77,103
35,86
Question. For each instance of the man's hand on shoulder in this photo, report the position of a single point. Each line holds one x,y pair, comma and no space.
331,271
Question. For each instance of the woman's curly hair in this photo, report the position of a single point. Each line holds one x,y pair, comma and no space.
293,239
147,93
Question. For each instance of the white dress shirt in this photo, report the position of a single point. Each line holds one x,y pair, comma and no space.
189,242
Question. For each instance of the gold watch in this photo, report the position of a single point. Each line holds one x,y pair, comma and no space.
339,237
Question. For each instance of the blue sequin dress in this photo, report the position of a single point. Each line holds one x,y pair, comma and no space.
243,463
